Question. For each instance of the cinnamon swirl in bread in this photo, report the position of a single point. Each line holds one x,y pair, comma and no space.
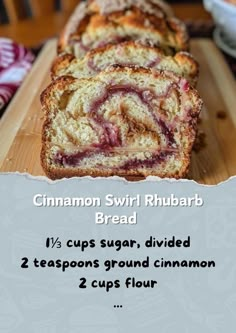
127,53
88,28
125,122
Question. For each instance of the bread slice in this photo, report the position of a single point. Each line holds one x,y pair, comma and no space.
127,53
125,122
87,30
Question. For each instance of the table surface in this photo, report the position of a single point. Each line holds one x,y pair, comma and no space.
32,32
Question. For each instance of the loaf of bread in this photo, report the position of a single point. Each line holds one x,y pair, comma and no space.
127,53
91,27
125,121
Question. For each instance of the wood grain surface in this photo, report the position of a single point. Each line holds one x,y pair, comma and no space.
20,127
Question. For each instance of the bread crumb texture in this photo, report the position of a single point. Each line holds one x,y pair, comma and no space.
125,120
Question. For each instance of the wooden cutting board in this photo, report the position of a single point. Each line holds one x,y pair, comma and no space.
20,128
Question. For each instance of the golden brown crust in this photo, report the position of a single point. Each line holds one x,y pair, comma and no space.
60,62
180,32
184,58
61,84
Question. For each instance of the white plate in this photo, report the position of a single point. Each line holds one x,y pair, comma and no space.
224,43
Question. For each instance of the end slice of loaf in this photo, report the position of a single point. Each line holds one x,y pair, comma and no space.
125,122
126,54
87,30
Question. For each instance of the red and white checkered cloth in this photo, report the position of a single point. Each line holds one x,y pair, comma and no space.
15,63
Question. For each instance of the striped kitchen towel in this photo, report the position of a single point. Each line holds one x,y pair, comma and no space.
15,63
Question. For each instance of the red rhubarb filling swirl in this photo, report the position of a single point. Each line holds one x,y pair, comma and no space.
111,40
110,139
